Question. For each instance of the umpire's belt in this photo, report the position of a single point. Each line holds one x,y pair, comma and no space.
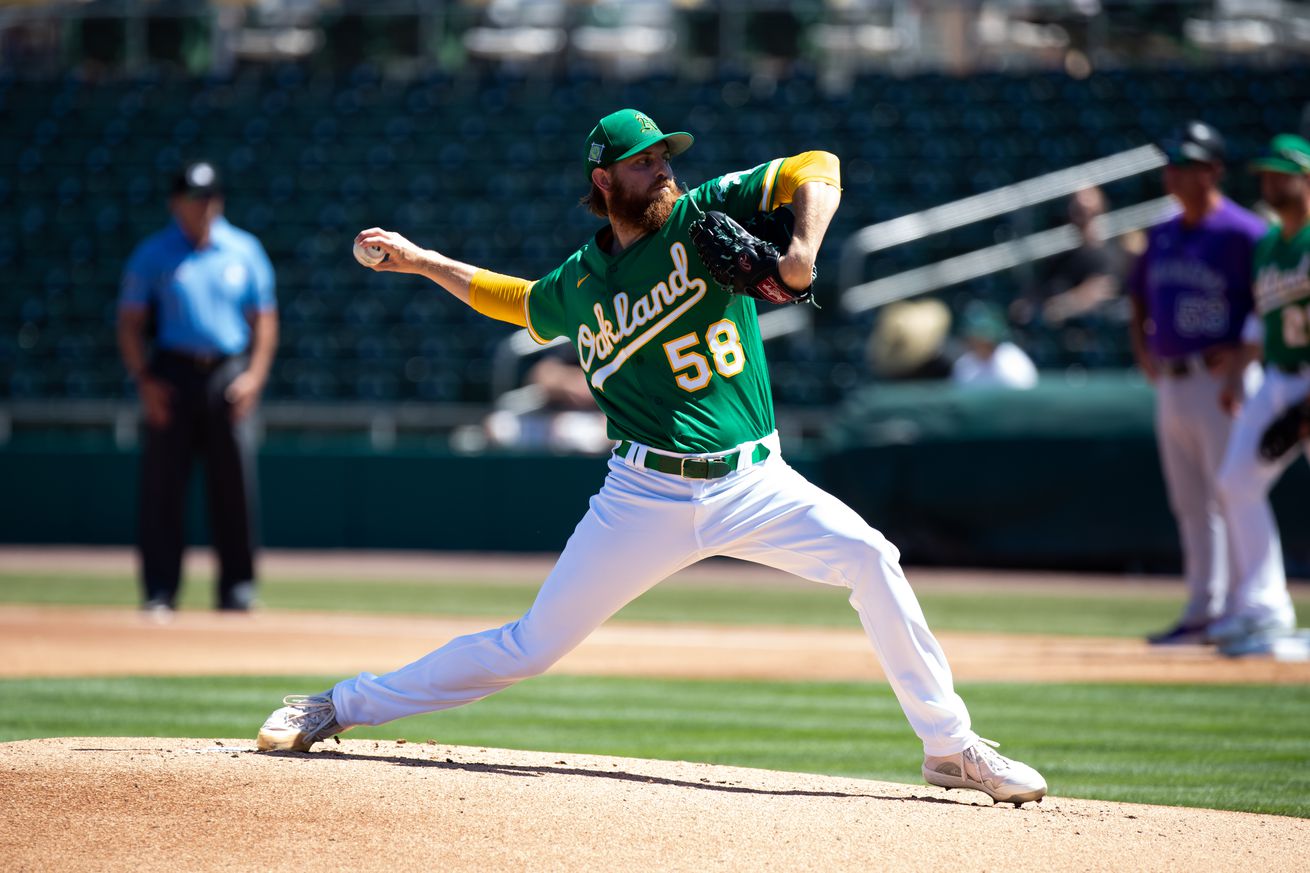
203,363
693,467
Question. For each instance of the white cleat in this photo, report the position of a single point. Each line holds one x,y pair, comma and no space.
981,769
1232,629
303,721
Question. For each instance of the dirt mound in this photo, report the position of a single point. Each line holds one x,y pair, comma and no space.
207,805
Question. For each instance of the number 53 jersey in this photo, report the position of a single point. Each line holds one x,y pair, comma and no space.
673,360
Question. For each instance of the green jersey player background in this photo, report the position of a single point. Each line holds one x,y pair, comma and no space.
1281,326
676,363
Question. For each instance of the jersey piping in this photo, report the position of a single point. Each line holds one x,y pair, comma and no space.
527,317
770,176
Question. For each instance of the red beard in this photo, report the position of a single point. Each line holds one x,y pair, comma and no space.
647,210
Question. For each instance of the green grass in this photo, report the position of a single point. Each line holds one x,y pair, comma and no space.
991,608
1226,747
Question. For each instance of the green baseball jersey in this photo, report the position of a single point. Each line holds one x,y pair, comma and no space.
673,360
1282,296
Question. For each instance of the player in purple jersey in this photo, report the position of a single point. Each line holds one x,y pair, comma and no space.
1191,294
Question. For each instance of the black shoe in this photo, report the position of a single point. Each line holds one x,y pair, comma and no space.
238,598
1181,635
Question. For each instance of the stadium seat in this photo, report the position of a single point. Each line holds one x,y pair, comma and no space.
485,166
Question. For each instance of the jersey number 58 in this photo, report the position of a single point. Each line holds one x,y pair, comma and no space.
693,369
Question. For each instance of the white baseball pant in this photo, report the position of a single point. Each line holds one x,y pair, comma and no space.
1192,432
643,526
1244,483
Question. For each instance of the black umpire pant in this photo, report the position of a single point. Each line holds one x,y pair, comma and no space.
200,423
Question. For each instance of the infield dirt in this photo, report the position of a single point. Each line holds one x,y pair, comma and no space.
211,805
66,641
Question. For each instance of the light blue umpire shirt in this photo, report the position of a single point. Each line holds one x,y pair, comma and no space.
203,295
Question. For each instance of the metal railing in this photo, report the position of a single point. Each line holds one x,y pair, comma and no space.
914,227
1002,256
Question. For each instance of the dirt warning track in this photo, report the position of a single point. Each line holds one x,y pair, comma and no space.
63,641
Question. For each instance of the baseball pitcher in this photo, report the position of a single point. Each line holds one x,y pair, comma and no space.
660,306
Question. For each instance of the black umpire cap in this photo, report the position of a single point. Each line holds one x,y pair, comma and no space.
1195,141
199,179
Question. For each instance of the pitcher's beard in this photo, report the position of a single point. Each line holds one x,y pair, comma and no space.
646,211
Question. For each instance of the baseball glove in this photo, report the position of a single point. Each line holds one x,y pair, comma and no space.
1285,431
742,261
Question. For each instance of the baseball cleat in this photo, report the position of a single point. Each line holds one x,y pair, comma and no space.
1181,635
1236,627
1267,641
981,769
303,721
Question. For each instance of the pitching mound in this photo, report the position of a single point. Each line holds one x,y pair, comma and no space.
202,805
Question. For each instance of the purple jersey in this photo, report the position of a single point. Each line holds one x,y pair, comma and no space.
1195,282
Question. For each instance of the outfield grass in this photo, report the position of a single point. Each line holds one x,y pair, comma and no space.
1241,748
1008,610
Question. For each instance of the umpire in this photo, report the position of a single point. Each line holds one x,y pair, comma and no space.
203,291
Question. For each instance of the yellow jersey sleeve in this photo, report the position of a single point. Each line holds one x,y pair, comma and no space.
799,169
499,297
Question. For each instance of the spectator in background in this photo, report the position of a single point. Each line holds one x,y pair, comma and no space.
1083,279
1191,293
909,341
206,290
553,410
990,360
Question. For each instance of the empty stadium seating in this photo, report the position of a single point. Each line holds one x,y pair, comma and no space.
486,167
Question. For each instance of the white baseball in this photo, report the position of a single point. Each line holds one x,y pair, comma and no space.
369,256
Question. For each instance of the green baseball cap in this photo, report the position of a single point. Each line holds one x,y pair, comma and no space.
985,322
1288,153
622,134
